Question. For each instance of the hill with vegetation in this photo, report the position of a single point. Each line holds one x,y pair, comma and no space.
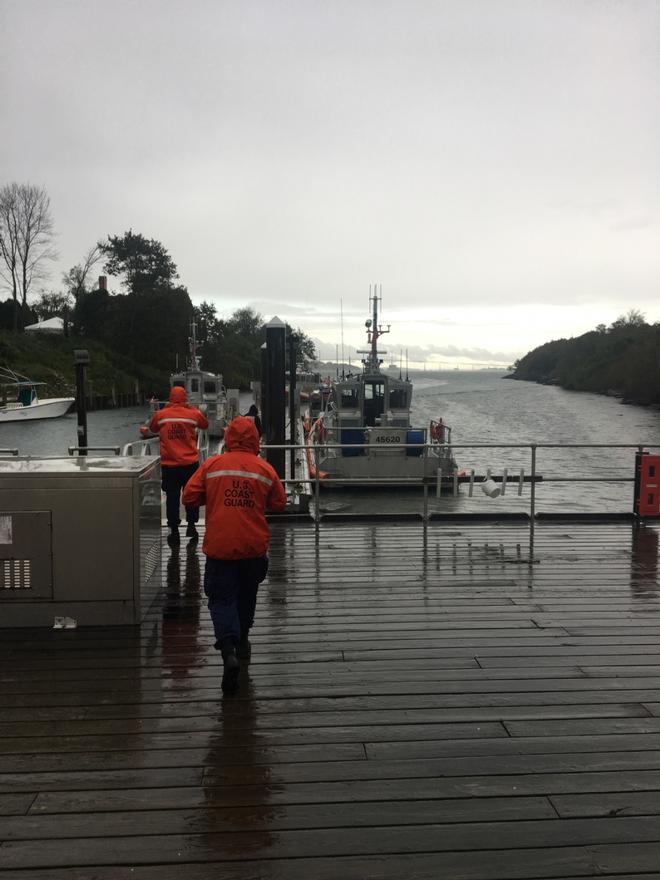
135,337
621,360
48,357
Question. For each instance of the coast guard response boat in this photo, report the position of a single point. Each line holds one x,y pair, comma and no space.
369,415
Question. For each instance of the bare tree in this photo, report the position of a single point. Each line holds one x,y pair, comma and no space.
9,236
26,238
75,280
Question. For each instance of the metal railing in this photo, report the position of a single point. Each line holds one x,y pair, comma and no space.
83,450
452,482
151,446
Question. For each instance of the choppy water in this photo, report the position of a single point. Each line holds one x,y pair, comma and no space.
480,407
108,427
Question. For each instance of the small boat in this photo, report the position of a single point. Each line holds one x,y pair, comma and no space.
25,404
205,390
358,428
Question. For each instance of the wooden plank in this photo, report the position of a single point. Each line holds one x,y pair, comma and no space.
419,787
163,758
520,864
263,706
557,762
327,842
265,738
544,745
611,803
53,780
16,804
209,819
585,727
395,715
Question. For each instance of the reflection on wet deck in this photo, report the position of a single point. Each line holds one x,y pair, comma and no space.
428,708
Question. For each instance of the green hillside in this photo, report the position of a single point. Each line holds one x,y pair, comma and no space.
49,358
621,360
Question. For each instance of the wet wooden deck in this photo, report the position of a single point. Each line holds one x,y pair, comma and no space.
412,709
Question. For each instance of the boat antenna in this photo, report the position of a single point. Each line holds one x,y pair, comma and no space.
341,312
374,332
401,364
337,358
194,363
407,378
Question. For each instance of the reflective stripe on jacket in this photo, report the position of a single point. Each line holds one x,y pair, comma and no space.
176,425
237,487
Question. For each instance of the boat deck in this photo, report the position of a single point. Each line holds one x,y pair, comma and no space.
427,708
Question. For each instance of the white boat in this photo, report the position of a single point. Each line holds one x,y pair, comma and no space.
205,390
26,404
359,428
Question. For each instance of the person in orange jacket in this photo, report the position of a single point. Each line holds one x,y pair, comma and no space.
237,488
176,425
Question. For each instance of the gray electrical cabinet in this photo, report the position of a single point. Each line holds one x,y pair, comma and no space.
79,538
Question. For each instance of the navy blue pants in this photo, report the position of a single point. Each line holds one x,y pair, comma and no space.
231,586
173,480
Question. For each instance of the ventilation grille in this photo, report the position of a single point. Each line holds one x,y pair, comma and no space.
15,574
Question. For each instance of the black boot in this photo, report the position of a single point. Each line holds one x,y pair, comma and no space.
173,538
231,669
244,648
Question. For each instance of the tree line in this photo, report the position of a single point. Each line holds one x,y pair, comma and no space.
147,321
622,359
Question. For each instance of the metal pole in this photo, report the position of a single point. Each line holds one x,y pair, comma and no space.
81,361
262,403
426,488
293,409
275,433
637,484
317,496
532,508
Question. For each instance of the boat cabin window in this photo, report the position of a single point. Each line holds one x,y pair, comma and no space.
26,396
209,388
194,385
348,398
398,398
374,402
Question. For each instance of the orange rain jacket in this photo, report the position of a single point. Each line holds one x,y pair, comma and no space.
176,425
236,487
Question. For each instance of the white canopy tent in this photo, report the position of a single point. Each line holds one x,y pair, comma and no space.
50,325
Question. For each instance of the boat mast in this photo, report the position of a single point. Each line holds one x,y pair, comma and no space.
194,360
374,332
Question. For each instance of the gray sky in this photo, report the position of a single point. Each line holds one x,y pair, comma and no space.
492,163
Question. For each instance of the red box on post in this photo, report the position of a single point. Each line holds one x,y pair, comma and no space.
647,485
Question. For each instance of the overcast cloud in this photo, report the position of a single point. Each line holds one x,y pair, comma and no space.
493,163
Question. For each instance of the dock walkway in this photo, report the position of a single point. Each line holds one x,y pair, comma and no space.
414,708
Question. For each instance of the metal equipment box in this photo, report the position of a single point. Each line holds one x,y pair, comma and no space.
79,538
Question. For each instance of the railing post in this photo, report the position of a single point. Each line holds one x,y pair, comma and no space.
317,495
81,362
636,484
532,505
425,515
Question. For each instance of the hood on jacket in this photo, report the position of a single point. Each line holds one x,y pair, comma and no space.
241,434
178,395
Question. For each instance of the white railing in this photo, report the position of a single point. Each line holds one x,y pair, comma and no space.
151,446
